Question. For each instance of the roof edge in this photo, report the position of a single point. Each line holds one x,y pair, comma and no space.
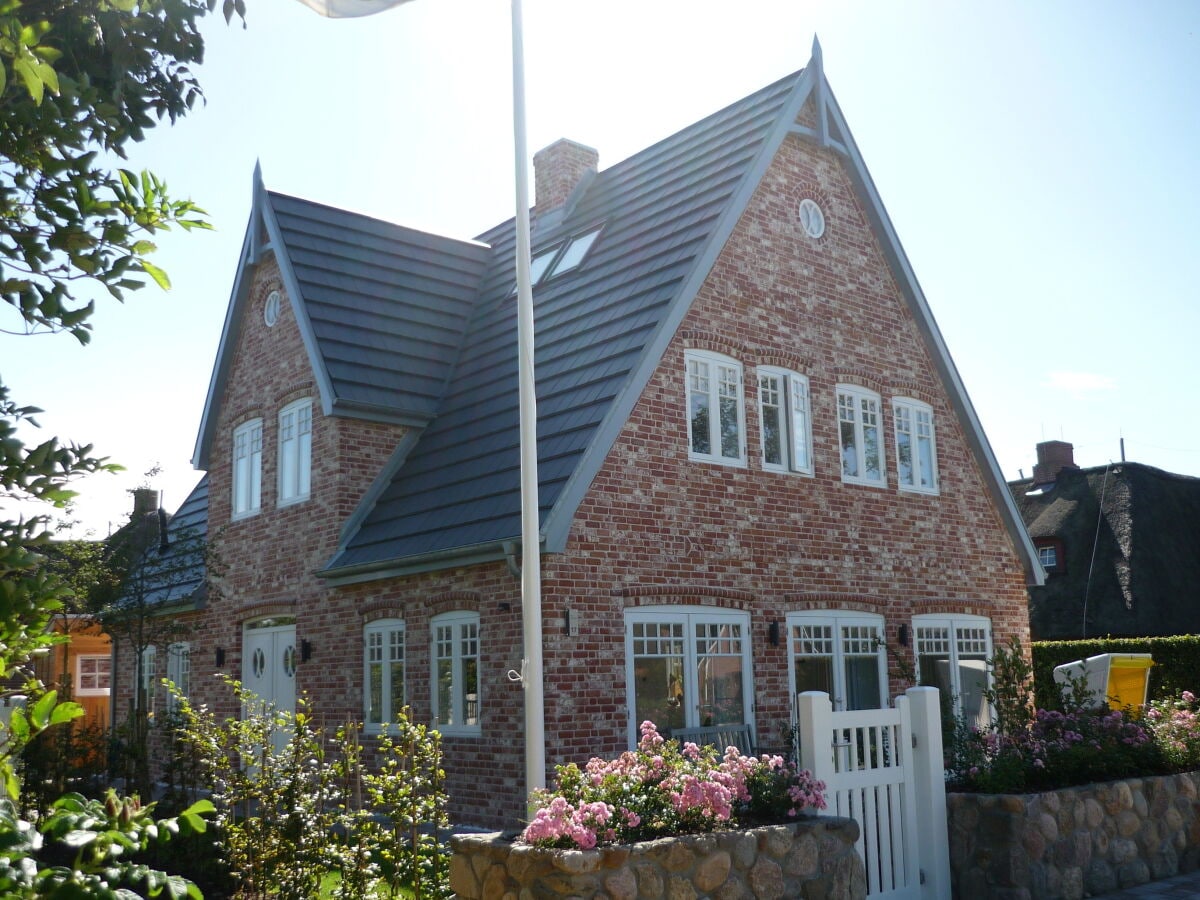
898,261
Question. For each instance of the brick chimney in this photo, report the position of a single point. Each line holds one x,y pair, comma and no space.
1052,458
145,500
558,169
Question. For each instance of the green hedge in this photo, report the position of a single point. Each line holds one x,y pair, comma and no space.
1176,663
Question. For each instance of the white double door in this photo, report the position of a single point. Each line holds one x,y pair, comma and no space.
269,666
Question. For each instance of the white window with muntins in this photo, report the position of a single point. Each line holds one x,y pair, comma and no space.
840,653
93,675
784,421
715,408
456,673
952,656
383,672
859,435
247,468
916,449
295,451
179,673
148,677
687,668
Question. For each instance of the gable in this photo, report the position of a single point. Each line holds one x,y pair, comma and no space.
381,308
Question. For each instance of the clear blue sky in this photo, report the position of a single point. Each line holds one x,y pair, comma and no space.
1040,161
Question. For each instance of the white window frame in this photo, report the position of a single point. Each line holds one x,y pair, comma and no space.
455,637
179,673
383,648
713,377
1048,556
731,626
101,674
789,394
963,638
295,452
147,669
246,458
862,410
838,635
913,424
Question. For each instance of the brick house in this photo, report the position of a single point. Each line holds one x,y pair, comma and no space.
759,471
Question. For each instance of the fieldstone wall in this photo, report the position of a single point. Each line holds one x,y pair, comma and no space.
1076,842
811,858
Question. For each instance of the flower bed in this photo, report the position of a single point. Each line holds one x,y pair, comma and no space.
662,789
656,822
1074,842
811,857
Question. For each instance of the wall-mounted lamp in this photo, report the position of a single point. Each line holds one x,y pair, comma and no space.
570,622
773,633
902,636
305,651
220,660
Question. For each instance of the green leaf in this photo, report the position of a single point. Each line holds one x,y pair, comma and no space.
29,75
39,714
159,276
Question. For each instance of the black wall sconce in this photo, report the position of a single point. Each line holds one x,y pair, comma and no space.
902,636
773,633
305,651
220,660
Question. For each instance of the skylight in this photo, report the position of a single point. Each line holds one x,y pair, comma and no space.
561,258
574,252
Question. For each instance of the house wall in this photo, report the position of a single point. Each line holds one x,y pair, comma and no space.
654,527
658,529
263,564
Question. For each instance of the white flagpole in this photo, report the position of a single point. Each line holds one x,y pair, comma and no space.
531,573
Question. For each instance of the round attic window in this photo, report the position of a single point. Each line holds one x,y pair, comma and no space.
812,220
271,308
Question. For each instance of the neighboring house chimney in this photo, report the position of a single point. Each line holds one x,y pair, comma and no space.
1052,458
145,500
558,169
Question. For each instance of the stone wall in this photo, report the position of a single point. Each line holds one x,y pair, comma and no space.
814,857
1076,842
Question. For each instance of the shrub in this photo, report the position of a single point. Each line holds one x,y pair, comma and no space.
663,789
296,803
1029,749
1175,725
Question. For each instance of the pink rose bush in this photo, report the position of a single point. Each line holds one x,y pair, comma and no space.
663,789
1175,725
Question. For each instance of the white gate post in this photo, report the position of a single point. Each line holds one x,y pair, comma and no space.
930,786
814,718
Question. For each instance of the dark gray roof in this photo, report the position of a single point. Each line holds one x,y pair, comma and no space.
382,308
174,574
420,330
1130,545
387,305
459,484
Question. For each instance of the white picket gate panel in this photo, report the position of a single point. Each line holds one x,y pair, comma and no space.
874,774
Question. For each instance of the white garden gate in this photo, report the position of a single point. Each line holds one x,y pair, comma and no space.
883,768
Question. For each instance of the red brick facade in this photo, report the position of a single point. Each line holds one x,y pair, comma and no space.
654,528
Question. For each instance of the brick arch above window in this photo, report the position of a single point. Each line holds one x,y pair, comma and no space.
858,602
703,340
860,378
911,390
791,361
965,606
266,609
455,601
296,391
658,594
387,609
